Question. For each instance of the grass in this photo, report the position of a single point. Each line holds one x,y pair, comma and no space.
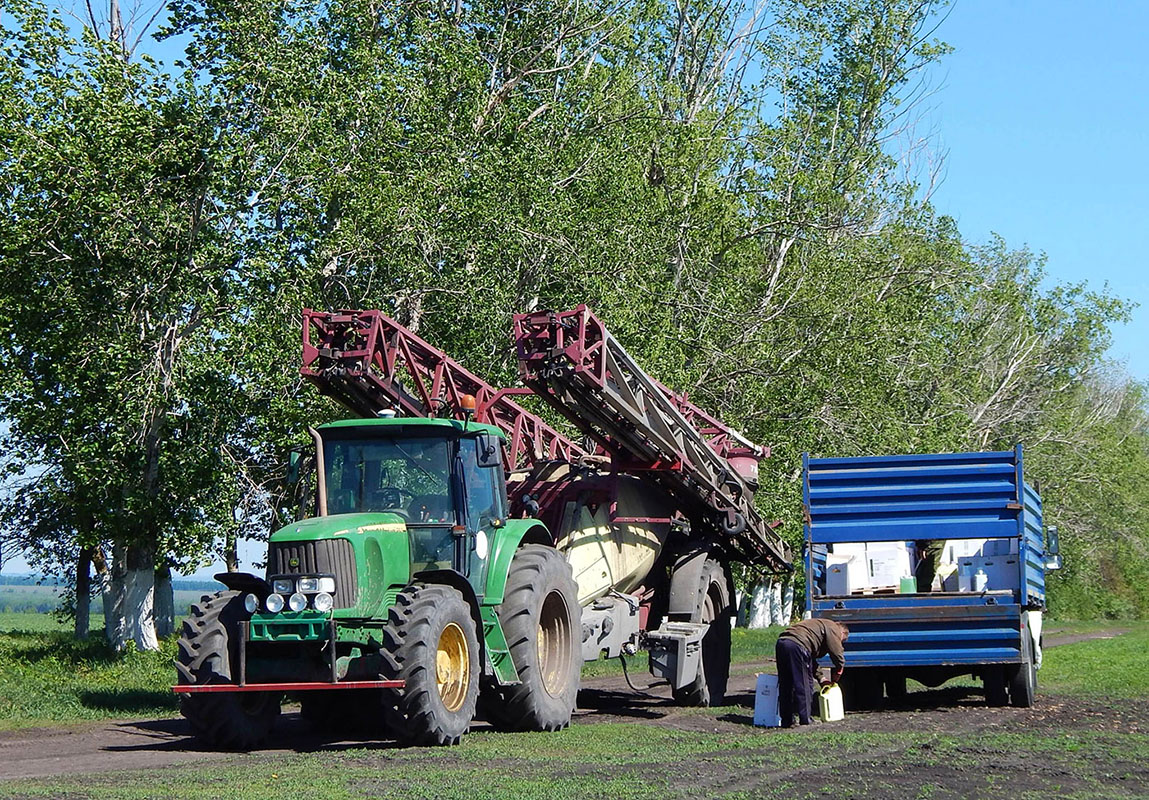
47,677
1110,667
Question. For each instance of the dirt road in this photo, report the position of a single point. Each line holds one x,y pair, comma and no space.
130,745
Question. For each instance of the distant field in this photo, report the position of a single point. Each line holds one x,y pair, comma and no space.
45,600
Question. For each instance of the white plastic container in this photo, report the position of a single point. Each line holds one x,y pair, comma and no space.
844,574
830,707
980,581
766,702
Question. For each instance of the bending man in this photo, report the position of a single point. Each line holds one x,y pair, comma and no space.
797,652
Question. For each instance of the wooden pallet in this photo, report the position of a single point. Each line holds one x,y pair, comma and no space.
872,590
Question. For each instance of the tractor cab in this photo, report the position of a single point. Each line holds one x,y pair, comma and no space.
443,479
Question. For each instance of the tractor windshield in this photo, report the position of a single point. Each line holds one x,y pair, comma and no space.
408,476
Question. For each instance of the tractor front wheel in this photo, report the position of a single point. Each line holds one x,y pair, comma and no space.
208,647
539,616
432,644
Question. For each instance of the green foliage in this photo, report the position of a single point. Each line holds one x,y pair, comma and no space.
727,191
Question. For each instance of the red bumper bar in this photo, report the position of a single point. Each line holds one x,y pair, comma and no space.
207,688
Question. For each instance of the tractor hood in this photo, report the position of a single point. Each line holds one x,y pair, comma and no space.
340,525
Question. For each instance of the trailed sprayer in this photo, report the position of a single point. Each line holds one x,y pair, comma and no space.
457,556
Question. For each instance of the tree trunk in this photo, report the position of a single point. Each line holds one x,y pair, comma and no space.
231,552
129,599
83,592
139,597
165,602
113,591
758,616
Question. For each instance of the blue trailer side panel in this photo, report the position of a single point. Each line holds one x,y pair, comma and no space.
914,497
899,498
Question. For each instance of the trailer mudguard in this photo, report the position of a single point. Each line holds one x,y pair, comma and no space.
686,589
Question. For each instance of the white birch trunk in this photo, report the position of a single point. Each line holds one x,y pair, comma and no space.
758,615
113,590
139,609
129,599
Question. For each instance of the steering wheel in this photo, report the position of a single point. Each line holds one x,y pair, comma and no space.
392,497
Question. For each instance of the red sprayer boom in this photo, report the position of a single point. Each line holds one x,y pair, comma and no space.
369,363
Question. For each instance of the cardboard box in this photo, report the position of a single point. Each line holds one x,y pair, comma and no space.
844,574
887,563
997,547
1002,572
766,702
957,549
850,550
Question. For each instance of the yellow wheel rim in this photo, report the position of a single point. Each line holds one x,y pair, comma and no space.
554,643
452,673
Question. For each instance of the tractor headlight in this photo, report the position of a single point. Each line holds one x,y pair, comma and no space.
251,603
283,585
274,603
327,585
308,585
297,602
323,602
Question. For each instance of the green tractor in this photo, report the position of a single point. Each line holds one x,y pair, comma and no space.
413,592
409,584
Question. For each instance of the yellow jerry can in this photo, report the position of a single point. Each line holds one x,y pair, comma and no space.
830,707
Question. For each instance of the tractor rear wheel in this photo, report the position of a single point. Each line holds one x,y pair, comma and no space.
539,616
208,648
432,644
709,687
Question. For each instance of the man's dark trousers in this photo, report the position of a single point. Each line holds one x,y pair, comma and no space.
793,681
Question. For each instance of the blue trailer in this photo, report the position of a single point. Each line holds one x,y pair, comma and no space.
988,628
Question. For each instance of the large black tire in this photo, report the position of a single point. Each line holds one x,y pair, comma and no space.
709,687
208,649
540,616
1023,676
861,689
432,644
996,691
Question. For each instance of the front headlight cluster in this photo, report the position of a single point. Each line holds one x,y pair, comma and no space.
298,591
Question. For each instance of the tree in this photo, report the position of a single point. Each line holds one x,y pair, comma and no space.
118,289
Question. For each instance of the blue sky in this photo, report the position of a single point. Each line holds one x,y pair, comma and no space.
1043,118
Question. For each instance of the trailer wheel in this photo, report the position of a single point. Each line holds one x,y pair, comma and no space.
996,693
861,689
208,646
1023,676
709,687
431,643
540,617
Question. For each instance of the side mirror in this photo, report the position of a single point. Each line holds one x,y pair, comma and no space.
1052,563
294,460
1052,545
487,448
